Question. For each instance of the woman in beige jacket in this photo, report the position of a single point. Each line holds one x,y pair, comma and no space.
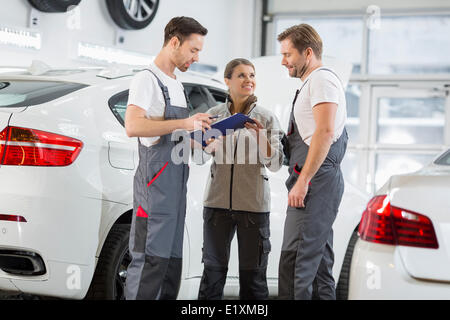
237,195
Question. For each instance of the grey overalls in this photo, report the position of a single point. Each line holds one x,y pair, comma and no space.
307,251
159,210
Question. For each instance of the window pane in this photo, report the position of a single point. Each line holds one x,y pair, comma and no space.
352,97
198,99
350,167
411,120
219,95
121,107
15,94
410,45
202,98
341,37
444,160
388,164
118,105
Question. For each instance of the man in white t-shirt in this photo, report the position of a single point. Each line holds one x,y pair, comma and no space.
145,112
157,107
316,143
146,94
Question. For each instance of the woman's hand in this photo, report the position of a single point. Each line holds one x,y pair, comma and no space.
260,137
255,126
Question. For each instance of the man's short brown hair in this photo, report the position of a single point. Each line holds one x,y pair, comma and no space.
182,28
303,36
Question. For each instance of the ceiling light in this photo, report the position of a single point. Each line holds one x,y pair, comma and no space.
20,38
102,54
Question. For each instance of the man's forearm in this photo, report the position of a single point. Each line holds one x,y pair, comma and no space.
152,128
318,150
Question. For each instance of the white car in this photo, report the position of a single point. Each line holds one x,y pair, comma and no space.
66,172
403,248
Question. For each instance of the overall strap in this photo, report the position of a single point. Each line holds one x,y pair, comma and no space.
165,93
164,89
296,95
188,102
304,83
335,74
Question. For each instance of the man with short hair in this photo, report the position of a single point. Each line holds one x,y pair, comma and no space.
317,141
157,106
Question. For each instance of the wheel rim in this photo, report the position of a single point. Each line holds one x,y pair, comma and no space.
139,10
121,276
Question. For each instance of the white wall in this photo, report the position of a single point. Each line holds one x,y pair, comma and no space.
229,23
296,6
323,8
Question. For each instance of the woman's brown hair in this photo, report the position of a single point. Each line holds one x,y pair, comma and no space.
228,73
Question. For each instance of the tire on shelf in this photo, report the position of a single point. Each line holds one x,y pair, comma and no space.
132,14
54,5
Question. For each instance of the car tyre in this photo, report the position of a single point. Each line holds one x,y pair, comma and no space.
344,277
54,5
132,18
109,278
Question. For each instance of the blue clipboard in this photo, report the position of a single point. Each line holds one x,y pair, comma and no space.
236,121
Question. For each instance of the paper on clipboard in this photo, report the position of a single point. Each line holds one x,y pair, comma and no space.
236,121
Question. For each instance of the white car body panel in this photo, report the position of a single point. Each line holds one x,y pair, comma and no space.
4,118
378,273
404,272
426,194
70,210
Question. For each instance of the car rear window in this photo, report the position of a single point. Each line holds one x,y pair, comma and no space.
444,159
14,94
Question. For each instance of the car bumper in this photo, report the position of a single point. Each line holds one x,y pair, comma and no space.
377,272
62,227
63,280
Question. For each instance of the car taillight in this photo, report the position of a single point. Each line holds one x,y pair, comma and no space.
3,135
383,223
7,217
30,147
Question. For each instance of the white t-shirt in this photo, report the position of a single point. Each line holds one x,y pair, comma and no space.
146,94
322,86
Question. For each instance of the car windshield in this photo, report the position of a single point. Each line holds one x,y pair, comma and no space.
14,94
444,159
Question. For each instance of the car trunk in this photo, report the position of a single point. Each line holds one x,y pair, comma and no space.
16,95
426,193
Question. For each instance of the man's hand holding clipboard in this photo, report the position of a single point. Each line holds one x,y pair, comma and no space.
221,128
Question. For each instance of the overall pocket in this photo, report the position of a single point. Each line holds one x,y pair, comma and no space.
139,230
164,187
265,246
157,174
290,182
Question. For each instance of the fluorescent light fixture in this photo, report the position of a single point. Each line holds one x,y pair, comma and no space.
11,69
111,55
20,38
